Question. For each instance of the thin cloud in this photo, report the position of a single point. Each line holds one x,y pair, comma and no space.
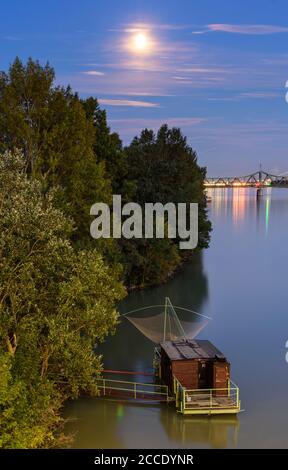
129,103
142,93
173,122
254,29
246,95
138,27
11,38
128,128
279,60
260,95
205,70
177,77
95,73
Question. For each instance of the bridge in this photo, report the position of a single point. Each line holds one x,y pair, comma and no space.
259,179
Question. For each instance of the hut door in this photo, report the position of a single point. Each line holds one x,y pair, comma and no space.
220,377
202,375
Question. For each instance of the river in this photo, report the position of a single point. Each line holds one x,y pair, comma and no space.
241,282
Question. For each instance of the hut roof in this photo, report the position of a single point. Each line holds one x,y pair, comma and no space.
191,349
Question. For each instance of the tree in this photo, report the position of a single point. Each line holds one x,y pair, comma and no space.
49,125
108,149
56,304
164,169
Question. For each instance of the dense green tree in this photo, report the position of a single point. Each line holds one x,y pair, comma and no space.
149,262
108,148
56,304
164,169
49,125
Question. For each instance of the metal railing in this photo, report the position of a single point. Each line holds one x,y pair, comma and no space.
206,399
132,390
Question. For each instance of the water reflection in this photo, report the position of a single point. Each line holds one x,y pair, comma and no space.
268,204
233,203
102,424
94,423
216,432
240,205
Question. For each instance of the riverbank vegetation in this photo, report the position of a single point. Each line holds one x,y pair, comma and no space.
58,286
56,304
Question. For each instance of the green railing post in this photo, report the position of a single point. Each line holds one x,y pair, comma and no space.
135,391
104,385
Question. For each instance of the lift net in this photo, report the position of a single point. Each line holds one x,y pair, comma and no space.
166,325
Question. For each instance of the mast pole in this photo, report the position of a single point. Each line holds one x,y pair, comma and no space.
176,317
165,318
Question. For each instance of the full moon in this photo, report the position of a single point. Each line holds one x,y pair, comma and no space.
140,41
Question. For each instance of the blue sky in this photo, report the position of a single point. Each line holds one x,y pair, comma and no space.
217,69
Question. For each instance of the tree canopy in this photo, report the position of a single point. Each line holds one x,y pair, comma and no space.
49,125
163,168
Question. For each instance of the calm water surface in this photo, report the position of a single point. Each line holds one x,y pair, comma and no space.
241,281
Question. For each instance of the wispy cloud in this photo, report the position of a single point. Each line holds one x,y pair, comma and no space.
256,94
95,73
140,27
11,38
178,77
173,122
281,60
209,70
128,128
247,95
130,103
254,29
142,93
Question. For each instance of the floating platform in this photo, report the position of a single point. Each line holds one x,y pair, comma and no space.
207,401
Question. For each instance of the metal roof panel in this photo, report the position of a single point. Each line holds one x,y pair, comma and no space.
191,349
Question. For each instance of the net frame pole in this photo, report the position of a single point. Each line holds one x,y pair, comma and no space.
169,303
165,318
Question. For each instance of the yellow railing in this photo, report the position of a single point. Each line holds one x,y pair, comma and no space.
134,390
207,400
